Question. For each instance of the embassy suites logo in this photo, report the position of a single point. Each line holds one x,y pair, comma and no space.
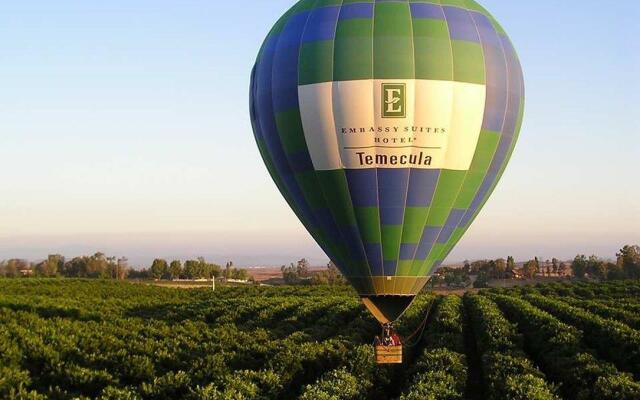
394,100
393,105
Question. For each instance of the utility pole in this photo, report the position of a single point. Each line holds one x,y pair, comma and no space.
213,282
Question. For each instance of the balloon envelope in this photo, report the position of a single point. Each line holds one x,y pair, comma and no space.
386,126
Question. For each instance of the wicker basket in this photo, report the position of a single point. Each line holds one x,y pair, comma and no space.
388,354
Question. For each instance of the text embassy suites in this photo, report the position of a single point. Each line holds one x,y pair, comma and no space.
394,129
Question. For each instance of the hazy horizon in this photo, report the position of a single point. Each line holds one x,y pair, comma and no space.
126,130
141,249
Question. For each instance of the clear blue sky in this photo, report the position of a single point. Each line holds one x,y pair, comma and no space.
124,127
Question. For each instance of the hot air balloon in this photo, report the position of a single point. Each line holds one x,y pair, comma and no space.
386,125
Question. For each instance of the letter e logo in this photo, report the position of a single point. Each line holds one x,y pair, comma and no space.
394,100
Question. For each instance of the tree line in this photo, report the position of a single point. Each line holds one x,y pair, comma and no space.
300,273
626,266
98,265
101,266
193,269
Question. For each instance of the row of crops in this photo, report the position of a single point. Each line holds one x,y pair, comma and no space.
83,339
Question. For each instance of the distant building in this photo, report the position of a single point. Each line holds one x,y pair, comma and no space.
237,281
515,274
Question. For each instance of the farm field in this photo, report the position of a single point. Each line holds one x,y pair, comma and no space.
90,339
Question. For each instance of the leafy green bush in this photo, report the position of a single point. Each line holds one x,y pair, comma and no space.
558,347
440,372
614,341
509,375
434,385
605,311
336,385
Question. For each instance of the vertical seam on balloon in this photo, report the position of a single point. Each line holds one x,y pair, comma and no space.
504,120
435,189
413,122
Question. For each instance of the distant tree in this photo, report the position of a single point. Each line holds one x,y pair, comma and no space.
98,266
143,273
562,269
200,268
331,276
479,265
302,268
320,278
122,269
50,267
12,267
615,272
555,265
240,274
213,271
39,269
289,274
629,260
112,268
537,264
530,268
436,280
449,277
175,269
511,264
579,266
76,267
501,268
159,268
597,268
227,270
191,269
491,269
334,277
482,281
208,270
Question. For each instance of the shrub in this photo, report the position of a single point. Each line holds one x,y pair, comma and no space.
503,361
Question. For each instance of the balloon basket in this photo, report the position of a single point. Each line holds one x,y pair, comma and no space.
388,354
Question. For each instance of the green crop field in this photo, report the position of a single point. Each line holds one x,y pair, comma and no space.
86,339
